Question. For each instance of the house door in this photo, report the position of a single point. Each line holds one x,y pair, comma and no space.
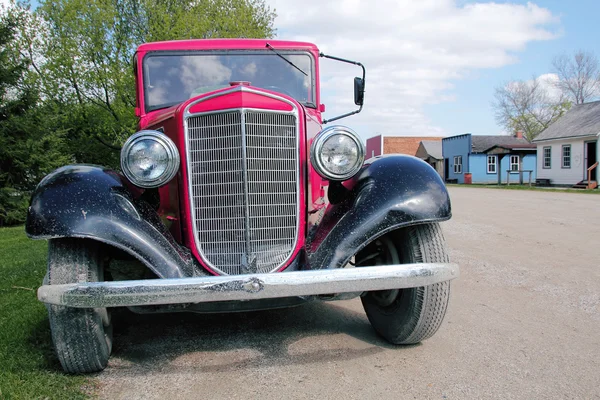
591,157
446,168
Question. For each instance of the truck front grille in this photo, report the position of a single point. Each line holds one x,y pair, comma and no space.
243,171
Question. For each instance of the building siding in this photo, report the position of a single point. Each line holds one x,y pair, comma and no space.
436,164
457,146
478,164
421,152
403,144
557,174
529,162
478,167
373,147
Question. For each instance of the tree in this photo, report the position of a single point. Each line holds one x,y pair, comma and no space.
91,44
528,106
27,150
579,76
67,91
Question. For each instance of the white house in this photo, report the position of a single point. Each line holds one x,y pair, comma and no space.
568,147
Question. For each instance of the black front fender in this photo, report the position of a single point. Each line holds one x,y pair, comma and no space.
87,201
389,193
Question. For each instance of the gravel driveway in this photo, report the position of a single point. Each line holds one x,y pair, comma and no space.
523,322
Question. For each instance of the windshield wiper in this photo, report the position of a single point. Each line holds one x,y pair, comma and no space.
268,46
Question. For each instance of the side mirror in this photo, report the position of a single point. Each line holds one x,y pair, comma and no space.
359,88
359,91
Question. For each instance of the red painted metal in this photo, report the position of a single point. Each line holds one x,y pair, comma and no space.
233,100
175,196
169,209
316,184
225,44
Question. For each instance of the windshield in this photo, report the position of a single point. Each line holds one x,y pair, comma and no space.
170,78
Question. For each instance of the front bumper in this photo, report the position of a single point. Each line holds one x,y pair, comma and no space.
245,287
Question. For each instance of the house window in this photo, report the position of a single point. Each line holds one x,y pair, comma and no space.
458,164
491,164
566,156
548,157
514,163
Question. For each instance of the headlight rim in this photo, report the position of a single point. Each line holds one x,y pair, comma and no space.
172,154
322,138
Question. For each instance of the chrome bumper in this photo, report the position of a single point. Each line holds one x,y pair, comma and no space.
245,287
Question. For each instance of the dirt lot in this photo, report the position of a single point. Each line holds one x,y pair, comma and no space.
524,322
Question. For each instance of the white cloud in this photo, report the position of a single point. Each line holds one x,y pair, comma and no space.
549,83
4,5
414,51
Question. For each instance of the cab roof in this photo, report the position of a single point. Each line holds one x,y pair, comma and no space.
226,44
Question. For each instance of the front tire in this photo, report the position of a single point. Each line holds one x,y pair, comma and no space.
407,316
82,336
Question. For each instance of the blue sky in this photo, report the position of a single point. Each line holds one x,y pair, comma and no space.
471,112
432,65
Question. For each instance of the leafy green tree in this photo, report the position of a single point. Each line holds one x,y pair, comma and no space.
90,47
67,92
12,102
27,151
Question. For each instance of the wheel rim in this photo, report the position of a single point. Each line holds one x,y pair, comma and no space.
387,254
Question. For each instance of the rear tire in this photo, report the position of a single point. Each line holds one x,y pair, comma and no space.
407,316
82,336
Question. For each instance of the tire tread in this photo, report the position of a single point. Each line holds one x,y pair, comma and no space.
78,334
432,300
417,313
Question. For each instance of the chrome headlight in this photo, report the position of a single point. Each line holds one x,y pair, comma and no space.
337,153
149,159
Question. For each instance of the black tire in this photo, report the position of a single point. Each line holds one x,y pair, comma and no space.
82,336
407,316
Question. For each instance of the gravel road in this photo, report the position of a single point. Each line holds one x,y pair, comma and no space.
524,322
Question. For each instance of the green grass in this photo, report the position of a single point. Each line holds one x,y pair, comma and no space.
28,366
527,187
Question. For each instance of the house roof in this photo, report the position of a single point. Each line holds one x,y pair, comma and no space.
517,146
405,144
481,143
528,148
580,120
433,148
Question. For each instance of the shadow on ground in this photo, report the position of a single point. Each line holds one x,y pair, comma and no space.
206,342
40,343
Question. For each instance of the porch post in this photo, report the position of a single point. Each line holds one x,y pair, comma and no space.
520,169
499,158
499,170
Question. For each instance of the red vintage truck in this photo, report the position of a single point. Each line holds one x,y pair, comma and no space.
234,197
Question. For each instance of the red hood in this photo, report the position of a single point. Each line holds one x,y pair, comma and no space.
238,96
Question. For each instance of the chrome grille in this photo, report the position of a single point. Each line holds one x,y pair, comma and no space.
243,171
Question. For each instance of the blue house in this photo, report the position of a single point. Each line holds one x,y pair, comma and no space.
488,158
